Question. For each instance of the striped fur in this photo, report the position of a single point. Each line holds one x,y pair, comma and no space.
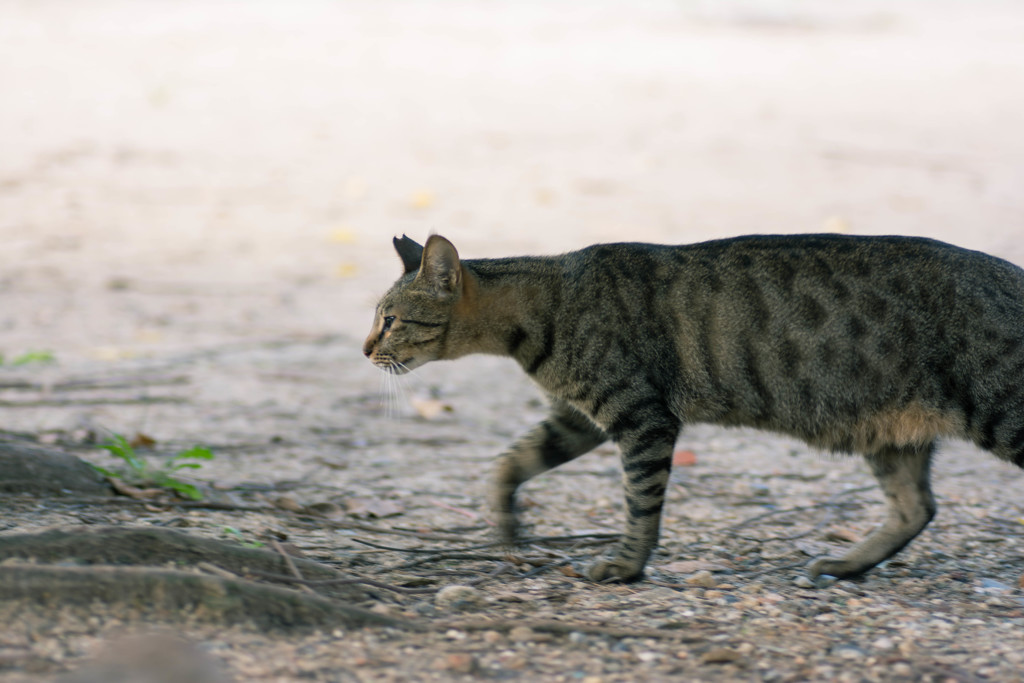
875,345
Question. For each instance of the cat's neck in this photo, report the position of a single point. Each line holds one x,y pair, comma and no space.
500,307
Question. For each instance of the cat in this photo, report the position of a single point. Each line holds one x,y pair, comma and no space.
870,345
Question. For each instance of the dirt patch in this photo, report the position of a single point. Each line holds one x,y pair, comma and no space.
395,506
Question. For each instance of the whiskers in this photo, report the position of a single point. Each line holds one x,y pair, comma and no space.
395,397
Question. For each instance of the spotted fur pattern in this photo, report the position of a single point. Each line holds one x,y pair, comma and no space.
873,345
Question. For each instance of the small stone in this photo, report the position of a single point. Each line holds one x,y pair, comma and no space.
513,662
848,652
720,655
288,503
803,582
492,637
523,634
326,509
461,662
902,669
993,586
703,578
577,638
883,643
647,657
460,598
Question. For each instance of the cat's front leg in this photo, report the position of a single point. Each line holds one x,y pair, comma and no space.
566,434
646,464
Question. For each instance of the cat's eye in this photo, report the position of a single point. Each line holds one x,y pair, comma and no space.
388,320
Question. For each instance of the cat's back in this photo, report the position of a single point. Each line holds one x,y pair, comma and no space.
775,255
883,274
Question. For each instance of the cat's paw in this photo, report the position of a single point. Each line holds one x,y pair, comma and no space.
506,528
614,570
838,567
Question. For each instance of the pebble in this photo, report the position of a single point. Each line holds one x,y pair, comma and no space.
720,655
460,662
848,652
883,643
823,581
460,598
513,662
902,669
703,578
288,503
993,586
524,634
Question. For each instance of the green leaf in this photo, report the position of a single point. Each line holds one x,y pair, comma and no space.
187,490
34,357
236,534
119,447
197,453
105,472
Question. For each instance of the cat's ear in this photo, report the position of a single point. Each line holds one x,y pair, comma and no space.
440,269
410,252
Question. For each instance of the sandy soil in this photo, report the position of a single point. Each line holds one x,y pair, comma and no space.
207,191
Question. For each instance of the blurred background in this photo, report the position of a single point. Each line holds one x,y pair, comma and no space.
175,174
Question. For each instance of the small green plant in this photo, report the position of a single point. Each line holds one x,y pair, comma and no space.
30,358
234,533
138,472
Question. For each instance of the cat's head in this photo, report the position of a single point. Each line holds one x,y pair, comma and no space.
411,323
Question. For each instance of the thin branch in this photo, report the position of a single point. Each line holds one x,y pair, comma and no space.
311,583
296,574
93,383
831,502
770,570
566,627
425,551
113,400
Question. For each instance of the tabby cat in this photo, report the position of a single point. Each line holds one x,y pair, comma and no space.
873,345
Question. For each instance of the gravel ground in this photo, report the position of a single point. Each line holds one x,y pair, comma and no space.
198,199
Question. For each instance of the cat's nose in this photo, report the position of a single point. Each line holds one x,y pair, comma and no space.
368,348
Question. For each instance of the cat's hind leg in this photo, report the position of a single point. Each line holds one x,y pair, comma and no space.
904,473
566,434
